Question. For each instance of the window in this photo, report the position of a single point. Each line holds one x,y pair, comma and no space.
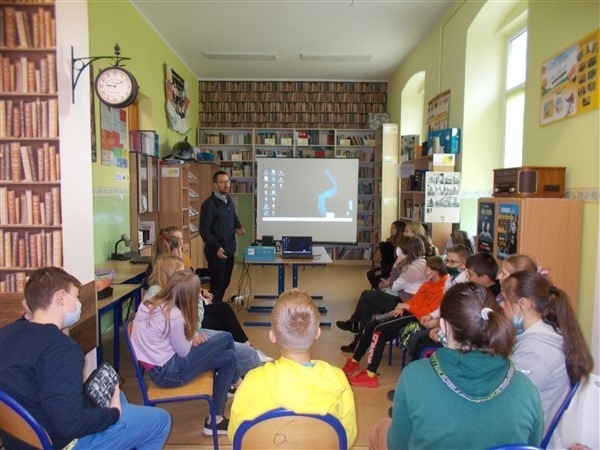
514,99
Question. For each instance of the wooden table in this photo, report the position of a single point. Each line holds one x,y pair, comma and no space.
320,258
126,273
114,303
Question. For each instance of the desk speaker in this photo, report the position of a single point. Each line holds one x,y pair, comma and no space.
267,241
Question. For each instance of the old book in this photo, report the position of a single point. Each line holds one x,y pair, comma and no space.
9,117
44,121
22,209
46,161
48,207
52,88
38,245
42,212
42,26
33,261
4,206
21,30
7,249
28,219
16,122
35,207
52,116
26,163
10,27
15,162
57,248
6,68
20,280
2,119
40,163
4,159
56,219
2,263
14,243
44,253
57,159
27,129
49,40
44,76
34,118
31,77
48,239
27,249
53,176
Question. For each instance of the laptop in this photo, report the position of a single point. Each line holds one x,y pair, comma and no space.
296,247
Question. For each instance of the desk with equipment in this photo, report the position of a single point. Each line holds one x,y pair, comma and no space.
320,258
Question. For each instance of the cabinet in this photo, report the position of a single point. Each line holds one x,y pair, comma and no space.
200,188
546,229
144,196
412,197
30,196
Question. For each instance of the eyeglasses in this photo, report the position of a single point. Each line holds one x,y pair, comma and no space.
452,261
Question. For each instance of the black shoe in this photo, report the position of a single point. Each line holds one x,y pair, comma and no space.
391,395
351,347
221,427
347,325
390,411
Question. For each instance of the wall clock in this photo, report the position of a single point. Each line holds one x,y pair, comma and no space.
116,87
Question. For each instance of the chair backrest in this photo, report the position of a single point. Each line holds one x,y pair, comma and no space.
139,373
285,429
514,447
17,422
559,413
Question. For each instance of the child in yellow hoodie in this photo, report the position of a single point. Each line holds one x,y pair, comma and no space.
295,381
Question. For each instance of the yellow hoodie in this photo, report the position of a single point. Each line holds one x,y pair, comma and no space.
313,389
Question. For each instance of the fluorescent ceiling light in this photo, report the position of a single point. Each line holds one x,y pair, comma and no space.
242,56
336,58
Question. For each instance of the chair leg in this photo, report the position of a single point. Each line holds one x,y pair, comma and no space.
213,423
404,356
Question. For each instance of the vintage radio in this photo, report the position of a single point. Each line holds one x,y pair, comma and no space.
530,182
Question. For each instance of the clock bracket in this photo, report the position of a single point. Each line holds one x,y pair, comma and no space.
78,65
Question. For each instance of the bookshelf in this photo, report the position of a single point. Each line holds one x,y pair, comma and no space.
290,104
412,197
254,143
30,196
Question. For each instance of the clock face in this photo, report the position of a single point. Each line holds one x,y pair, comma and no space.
116,87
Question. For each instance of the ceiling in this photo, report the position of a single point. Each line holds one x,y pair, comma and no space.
387,31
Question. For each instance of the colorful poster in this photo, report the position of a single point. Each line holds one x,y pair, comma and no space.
485,227
113,126
569,85
442,197
438,111
177,101
508,229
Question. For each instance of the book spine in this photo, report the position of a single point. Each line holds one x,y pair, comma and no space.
4,205
15,162
57,248
35,206
29,208
7,249
27,250
52,116
56,220
33,261
2,254
19,283
14,243
48,207
27,173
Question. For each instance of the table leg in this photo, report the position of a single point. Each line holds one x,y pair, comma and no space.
295,281
118,311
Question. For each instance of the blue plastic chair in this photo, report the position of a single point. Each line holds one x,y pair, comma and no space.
200,388
281,428
559,413
16,421
514,447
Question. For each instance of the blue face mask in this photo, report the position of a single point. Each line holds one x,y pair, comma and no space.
442,338
72,317
518,323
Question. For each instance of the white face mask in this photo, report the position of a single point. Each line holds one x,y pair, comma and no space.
72,317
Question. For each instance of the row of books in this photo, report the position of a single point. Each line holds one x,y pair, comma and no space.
364,235
27,28
290,86
241,187
365,205
238,170
416,182
364,140
23,75
314,153
297,107
414,211
315,137
40,163
292,97
29,119
29,250
30,207
283,120
278,124
274,138
366,172
364,221
236,154
216,138
365,188
352,253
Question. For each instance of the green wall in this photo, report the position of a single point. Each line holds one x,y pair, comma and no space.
111,22
573,143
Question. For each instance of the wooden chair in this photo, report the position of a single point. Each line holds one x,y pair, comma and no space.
556,419
285,429
200,388
16,421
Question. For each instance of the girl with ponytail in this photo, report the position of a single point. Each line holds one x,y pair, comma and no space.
550,348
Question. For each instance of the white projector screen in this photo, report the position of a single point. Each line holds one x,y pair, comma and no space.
307,197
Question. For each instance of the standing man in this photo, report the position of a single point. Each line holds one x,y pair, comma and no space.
219,224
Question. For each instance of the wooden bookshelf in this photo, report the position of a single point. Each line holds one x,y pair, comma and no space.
30,196
290,104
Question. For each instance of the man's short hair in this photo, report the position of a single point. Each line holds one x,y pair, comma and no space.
483,264
44,283
461,250
295,321
217,174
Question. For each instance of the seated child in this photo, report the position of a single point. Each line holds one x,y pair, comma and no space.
380,330
295,381
483,270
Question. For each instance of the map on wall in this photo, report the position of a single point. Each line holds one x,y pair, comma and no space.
569,81
113,126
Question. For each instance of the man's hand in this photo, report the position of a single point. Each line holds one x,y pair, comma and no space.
115,401
221,253
240,231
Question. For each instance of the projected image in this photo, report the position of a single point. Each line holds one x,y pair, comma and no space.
314,195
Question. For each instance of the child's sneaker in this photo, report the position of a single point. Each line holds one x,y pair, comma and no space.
351,367
221,427
362,379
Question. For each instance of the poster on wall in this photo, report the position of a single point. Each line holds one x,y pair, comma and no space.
177,101
438,112
113,128
485,227
508,228
442,197
569,81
